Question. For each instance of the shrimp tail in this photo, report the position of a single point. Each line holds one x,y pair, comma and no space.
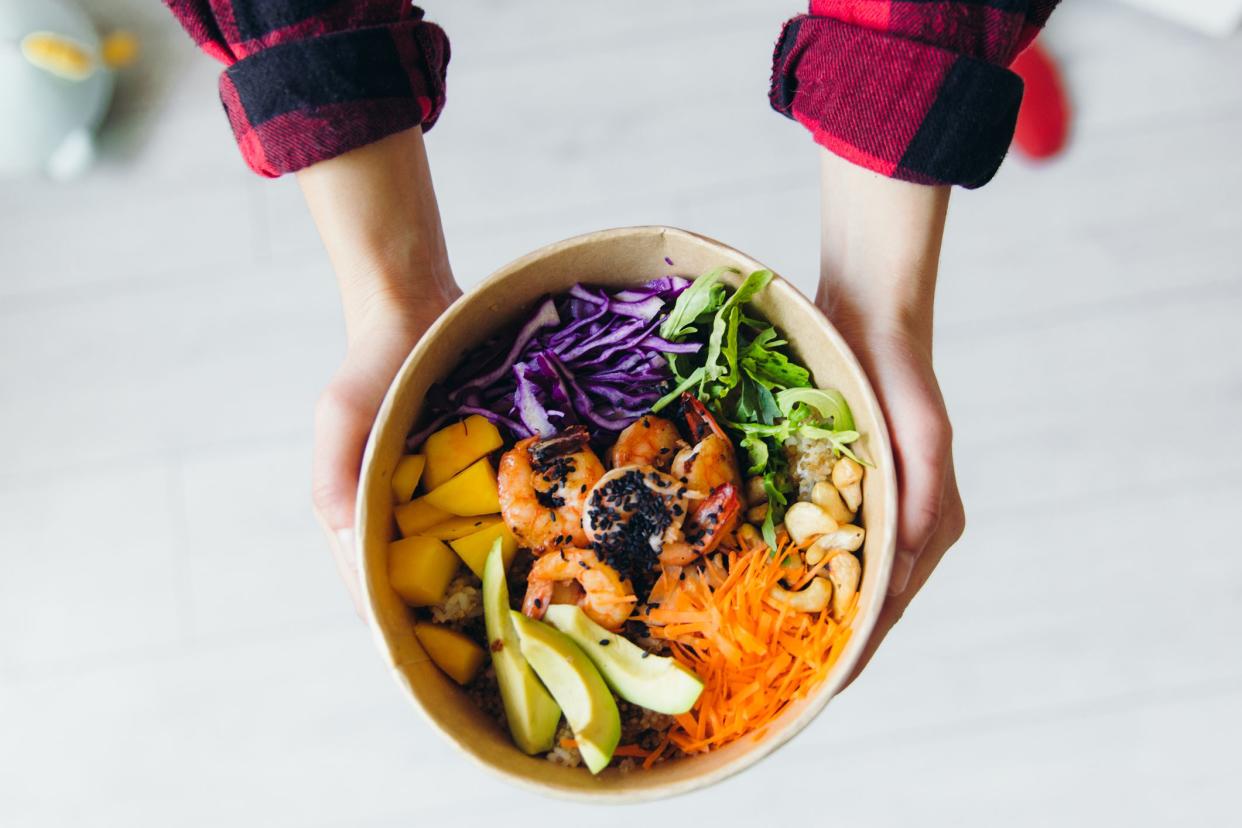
698,419
573,439
538,596
716,516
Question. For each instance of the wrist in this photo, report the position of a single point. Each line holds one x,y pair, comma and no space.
394,293
880,250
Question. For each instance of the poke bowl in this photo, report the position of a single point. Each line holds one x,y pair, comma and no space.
626,516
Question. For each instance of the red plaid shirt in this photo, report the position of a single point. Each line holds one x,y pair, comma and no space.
913,89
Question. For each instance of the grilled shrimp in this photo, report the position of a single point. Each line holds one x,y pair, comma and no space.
711,461
710,465
648,441
636,514
543,488
605,597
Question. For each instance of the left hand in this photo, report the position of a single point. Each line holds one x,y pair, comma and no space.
879,262
376,211
930,515
345,413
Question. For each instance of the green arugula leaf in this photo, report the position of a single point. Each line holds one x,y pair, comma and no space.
769,366
746,407
776,507
769,411
757,450
726,320
704,295
693,379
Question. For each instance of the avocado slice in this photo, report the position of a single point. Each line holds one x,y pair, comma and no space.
655,682
576,685
532,714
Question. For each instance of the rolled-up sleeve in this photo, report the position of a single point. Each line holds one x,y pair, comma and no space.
913,89
307,80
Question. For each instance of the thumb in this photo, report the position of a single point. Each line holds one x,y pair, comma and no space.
343,419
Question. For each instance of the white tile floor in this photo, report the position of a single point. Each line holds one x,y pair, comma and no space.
174,649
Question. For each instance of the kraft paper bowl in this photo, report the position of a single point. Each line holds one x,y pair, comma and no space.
626,256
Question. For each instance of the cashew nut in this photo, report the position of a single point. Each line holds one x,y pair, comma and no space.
757,513
852,495
817,552
848,537
826,497
755,491
814,597
844,571
845,471
806,521
847,477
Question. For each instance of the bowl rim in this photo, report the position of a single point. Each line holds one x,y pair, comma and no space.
864,625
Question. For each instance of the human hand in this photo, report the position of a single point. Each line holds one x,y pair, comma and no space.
930,514
881,249
345,412
377,214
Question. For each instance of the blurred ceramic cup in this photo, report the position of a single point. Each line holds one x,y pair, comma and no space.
616,258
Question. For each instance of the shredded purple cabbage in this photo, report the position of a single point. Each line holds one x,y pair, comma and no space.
586,357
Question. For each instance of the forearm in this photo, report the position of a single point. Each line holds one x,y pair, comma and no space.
376,211
880,249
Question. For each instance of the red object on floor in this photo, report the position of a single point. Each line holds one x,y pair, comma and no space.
1043,118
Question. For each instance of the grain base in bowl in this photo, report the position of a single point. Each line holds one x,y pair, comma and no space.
616,260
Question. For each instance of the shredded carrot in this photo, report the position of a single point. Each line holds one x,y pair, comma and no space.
630,750
622,750
755,659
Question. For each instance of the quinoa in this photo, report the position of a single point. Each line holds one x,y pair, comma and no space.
463,601
484,691
639,726
561,755
810,461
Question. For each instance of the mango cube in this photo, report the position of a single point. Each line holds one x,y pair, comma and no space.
460,527
456,446
473,549
452,652
419,569
418,515
470,492
405,477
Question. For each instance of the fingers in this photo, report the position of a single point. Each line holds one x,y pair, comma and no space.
947,533
343,418
922,441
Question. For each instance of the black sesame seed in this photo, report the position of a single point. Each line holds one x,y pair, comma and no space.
603,642
538,603
645,654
